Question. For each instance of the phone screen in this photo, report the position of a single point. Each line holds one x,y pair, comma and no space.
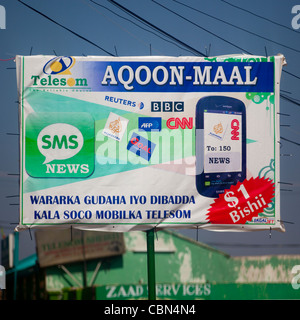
222,141
220,144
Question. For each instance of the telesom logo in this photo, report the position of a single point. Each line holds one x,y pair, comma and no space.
58,66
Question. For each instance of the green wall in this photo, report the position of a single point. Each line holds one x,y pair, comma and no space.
185,269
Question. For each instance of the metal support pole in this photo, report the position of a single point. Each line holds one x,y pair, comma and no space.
84,261
151,265
16,262
95,273
70,275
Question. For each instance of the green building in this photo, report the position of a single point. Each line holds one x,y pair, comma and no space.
184,269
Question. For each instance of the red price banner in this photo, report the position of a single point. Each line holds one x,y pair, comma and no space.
242,201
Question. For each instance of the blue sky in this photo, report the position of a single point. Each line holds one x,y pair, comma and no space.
215,27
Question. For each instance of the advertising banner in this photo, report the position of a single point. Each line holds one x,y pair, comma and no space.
132,143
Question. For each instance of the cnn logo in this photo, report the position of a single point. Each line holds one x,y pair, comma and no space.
235,126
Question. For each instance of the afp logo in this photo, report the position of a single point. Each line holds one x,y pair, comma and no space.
167,106
59,65
150,124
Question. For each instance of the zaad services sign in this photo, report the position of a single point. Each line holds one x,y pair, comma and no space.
177,291
199,133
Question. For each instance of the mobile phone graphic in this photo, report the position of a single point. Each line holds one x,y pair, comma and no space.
220,144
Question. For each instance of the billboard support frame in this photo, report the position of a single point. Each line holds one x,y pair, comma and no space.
16,262
151,264
256,83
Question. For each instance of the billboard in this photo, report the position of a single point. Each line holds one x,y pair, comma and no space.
132,143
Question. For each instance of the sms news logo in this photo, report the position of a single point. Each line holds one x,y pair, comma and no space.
59,145
59,141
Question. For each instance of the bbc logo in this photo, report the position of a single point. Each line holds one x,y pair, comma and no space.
167,106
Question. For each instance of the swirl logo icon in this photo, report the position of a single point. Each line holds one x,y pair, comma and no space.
115,126
59,65
218,128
